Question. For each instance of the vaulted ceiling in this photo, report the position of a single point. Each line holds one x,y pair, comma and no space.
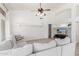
33,6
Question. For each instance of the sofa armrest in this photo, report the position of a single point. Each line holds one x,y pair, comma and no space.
5,45
22,51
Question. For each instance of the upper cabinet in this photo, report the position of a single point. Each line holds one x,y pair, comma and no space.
63,16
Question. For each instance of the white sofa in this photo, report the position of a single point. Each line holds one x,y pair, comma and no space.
38,49
66,50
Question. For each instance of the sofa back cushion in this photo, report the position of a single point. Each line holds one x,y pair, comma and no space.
7,44
22,51
62,41
43,46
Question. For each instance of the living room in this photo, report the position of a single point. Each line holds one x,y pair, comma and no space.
35,29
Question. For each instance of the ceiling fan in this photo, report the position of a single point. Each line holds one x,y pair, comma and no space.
40,11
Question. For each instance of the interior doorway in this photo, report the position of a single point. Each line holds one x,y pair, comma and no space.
49,30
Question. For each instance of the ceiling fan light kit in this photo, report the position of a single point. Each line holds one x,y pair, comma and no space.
40,14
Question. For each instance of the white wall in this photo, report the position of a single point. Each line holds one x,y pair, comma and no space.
27,24
30,26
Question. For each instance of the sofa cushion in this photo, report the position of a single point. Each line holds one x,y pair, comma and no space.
62,41
50,52
69,49
6,53
22,51
43,46
7,44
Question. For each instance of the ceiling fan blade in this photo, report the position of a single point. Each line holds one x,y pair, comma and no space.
34,10
47,9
